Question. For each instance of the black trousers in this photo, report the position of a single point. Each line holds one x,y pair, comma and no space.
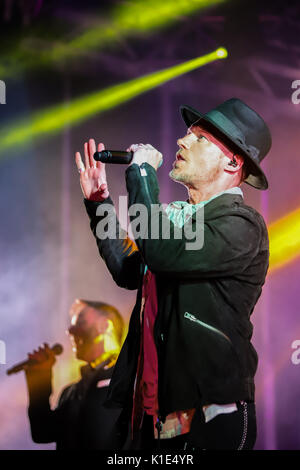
231,431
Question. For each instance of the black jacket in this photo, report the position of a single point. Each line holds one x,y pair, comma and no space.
80,421
205,298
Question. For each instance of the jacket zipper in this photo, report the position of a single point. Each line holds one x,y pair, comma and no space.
160,418
191,317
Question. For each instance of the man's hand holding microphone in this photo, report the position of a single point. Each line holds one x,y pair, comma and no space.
39,372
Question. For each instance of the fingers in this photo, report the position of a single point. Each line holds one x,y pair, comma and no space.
89,161
42,352
133,147
103,188
100,164
40,359
86,156
37,355
79,162
47,348
146,153
91,151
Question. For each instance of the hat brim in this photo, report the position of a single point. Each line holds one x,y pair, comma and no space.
256,177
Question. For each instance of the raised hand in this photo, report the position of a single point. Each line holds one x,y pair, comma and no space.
92,174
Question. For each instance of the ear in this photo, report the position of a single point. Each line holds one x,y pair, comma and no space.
234,169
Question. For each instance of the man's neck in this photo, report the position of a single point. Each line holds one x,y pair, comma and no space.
204,193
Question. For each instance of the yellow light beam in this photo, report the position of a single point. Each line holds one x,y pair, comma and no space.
55,118
128,19
284,235
132,18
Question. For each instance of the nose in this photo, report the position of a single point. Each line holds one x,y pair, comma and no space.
71,330
184,142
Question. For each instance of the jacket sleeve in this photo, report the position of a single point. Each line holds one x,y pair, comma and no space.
119,252
44,422
230,241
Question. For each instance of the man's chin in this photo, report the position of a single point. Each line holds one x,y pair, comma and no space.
173,174
177,177
83,358
80,355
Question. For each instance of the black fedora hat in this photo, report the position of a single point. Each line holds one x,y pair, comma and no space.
242,129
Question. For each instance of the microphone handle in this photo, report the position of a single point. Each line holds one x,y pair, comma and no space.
56,348
114,156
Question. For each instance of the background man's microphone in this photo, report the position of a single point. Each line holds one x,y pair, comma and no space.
113,156
56,348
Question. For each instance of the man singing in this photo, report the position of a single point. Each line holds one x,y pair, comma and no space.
80,421
186,370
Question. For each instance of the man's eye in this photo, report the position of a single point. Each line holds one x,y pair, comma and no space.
200,138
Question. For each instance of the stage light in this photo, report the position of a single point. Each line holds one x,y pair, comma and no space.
128,19
138,15
221,52
284,236
54,119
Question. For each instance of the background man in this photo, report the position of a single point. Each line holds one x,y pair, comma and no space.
187,359
79,421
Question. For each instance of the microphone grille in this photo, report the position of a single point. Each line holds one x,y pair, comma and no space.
57,349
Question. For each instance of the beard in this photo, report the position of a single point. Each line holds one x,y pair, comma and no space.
192,179
179,177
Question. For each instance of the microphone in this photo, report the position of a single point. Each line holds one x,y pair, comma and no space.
113,156
116,156
56,348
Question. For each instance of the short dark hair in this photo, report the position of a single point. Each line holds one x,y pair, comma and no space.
109,312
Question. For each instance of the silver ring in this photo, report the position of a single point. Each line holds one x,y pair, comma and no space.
80,170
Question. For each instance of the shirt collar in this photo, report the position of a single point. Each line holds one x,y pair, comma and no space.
180,211
181,204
